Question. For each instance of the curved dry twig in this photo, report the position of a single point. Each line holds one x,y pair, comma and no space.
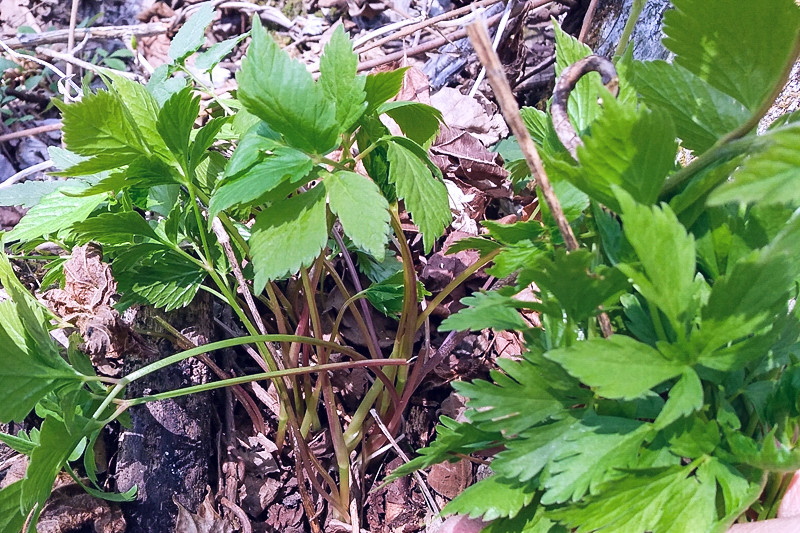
564,86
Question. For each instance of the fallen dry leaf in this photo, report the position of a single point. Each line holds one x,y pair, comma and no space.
206,520
465,113
87,302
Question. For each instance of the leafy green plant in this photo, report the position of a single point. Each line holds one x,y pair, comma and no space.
687,417
174,215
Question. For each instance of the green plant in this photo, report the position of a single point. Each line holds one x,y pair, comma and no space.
286,202
687,417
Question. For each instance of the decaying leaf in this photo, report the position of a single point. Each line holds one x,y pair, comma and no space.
86,301
71,509
206,520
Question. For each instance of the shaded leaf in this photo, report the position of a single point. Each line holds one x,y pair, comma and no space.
493,497
712,40
701,113
55,212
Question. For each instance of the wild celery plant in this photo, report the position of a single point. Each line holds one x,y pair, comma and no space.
687,418
290,192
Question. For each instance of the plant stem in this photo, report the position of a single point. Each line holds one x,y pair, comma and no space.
240,380
454,284
627,31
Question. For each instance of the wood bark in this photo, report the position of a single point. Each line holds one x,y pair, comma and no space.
167,450
610,19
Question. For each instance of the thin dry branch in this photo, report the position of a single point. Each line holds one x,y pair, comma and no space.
510,109
32,40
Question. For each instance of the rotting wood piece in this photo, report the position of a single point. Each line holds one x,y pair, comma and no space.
167,450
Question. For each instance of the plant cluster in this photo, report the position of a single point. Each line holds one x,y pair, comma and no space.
312,173
687,417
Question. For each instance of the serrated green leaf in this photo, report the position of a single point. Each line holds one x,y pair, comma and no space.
652,500
383,86
600,364
592,452
701,113
666,254
530,452
754,292
55,212
712,40
481,245
451,438
388,295
281,164
540,127
161,85
29,193
12,518
288,235
485,310
516,232
141,110
176,119
56,443
163,279
22,445
217,52
633,148
282,93
113,228
520,397
582,106
98,125
493,497
419,122
770,175
362,210
204,139
192,36
338,68
578,288
424,195
685,397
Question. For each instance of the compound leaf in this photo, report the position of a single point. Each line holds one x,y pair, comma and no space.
493,497
591,453
98,125
521,396
485,310
633,148
666,254
113,228
162,279
176,119
770,175
383,86
55,212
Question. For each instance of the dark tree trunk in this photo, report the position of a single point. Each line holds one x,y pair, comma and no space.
166,452
610,18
